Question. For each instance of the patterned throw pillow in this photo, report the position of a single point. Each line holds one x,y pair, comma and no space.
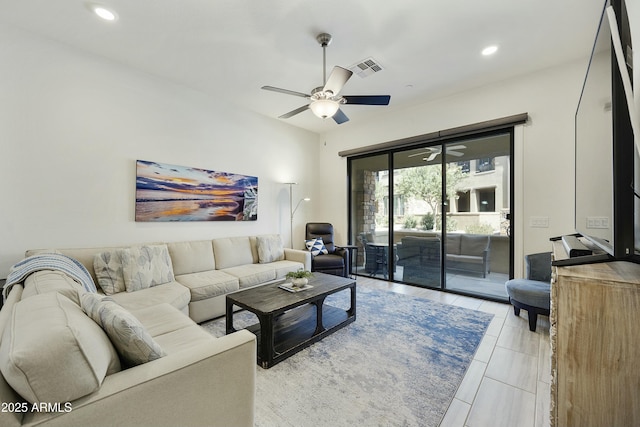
146,266
108,268
132,341
316,246
270,248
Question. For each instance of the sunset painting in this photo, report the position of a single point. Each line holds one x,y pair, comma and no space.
178,193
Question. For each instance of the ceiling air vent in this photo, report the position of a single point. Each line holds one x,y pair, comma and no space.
366,67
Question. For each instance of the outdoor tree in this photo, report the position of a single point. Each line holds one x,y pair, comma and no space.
425,183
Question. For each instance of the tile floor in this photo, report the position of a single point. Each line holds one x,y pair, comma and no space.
508,381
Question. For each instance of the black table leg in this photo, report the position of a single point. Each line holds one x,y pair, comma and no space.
229,318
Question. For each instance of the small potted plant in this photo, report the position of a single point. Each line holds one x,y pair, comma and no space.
299,278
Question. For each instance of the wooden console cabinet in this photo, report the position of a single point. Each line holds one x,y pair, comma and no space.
595,344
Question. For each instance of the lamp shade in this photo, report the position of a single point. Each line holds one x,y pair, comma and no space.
324,108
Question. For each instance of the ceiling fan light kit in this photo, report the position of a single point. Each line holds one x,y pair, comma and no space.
326,99
324,108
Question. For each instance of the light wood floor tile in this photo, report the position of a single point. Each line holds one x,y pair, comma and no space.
456,414
543,401
514,368
496,308
485,349
519,339
518,321
471,381
544,360
495,327
501,405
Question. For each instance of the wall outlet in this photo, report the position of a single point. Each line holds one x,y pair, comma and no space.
539,221
597,222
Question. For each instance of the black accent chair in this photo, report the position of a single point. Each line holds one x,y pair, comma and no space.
336,262
534,292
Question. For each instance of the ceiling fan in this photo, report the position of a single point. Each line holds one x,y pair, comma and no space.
326,100
435,151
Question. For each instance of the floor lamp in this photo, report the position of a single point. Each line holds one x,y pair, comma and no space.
293,210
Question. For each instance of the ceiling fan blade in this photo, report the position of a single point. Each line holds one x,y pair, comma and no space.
337,79
455,153
286,91
294,112
368,99
340,117
457,147
419,154
432,156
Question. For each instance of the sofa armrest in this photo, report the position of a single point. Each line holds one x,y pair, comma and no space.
298,255
212,384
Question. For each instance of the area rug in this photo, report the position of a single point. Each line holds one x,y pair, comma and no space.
399,364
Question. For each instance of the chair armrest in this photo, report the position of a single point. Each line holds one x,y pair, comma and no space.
210,384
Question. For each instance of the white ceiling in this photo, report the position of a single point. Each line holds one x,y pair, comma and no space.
230,48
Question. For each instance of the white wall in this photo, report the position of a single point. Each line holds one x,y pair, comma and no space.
72,126
543,147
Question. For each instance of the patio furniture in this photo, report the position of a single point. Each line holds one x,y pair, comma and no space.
420,259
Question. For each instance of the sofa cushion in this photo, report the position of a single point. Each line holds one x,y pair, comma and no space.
191,257
146,266
171,329
252,274
128,335
283,267
232,252
44,281
162,319
473,244
173,293
208,284
52,352
107,267
269,248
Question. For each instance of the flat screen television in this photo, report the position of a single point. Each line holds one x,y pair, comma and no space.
606,157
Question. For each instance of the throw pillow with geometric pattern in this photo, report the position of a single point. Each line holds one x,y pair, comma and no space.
316,246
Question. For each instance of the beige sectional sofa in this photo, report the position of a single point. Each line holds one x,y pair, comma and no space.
136,356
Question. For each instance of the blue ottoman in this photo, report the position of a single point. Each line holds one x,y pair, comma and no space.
531,295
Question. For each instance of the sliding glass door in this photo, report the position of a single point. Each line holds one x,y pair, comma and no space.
369,221
436,215
477,239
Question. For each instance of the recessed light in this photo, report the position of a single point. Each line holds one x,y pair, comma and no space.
102,12
489,50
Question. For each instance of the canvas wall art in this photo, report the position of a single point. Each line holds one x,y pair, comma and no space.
179,193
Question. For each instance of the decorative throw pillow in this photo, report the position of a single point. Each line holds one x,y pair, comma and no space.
146,266
270,248
128,335
108,268
316,246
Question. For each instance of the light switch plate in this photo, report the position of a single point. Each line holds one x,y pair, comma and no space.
539,221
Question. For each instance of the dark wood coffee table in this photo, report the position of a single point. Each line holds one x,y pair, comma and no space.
289,322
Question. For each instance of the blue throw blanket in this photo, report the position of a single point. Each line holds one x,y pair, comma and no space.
50,261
